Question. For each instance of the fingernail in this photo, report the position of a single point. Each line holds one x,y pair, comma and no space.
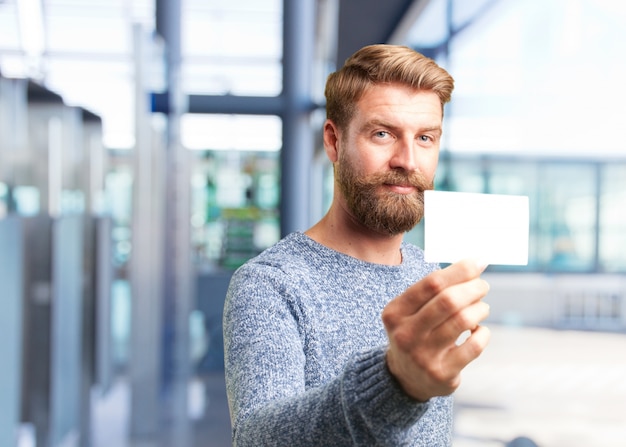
481,264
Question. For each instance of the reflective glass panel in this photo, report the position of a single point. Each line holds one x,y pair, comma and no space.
566,217
612,237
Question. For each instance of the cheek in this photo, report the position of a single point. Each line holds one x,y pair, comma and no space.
428,165
374,160
432,166
359,161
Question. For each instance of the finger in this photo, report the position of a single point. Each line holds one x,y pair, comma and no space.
466,320
460,356
423,291
447,306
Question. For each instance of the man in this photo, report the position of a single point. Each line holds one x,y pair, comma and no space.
343,335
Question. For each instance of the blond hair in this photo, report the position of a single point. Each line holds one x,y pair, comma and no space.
378,64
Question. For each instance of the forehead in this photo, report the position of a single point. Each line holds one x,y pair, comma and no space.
397,101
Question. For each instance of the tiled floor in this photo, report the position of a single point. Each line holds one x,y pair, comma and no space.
213,429
558,388
210,425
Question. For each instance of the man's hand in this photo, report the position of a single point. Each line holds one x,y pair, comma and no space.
424,323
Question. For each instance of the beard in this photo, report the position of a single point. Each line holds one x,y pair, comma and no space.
381,210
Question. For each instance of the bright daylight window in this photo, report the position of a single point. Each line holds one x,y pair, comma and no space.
525,120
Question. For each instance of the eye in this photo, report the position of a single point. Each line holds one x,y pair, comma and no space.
381,134
425,138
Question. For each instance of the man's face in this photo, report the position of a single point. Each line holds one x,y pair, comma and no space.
388,156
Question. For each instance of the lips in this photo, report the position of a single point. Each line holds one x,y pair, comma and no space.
401,188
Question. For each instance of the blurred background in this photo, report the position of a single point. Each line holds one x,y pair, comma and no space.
150,147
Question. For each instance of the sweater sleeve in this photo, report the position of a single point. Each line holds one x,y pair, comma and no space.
269,402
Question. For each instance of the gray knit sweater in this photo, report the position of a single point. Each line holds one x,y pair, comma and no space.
305,352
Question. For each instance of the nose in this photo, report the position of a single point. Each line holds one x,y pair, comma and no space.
404,155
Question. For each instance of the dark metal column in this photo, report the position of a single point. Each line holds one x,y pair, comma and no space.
177,267
297,151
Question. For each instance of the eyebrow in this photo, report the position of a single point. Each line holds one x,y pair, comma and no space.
436,129
380,123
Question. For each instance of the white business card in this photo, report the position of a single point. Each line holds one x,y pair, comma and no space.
492,228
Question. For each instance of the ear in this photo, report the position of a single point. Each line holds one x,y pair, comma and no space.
331,140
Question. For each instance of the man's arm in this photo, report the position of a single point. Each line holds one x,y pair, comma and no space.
270,405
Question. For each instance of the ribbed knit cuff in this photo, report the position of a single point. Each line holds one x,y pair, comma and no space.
373,397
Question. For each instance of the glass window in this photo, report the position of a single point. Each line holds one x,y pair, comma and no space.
232,47
566,221
517,177
460,174
235,200
518,70
612,237
4,200
119,196
563,207
231,132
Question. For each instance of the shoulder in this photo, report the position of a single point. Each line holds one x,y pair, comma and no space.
272,284
293,252
277,266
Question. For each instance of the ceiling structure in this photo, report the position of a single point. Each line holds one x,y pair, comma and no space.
365,22
83,49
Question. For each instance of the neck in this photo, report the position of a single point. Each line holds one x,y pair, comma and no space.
342,233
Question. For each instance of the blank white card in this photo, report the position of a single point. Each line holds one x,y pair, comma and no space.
492,228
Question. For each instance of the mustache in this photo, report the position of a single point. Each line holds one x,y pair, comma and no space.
400,177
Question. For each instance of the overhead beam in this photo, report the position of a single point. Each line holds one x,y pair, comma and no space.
228,104
366,22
